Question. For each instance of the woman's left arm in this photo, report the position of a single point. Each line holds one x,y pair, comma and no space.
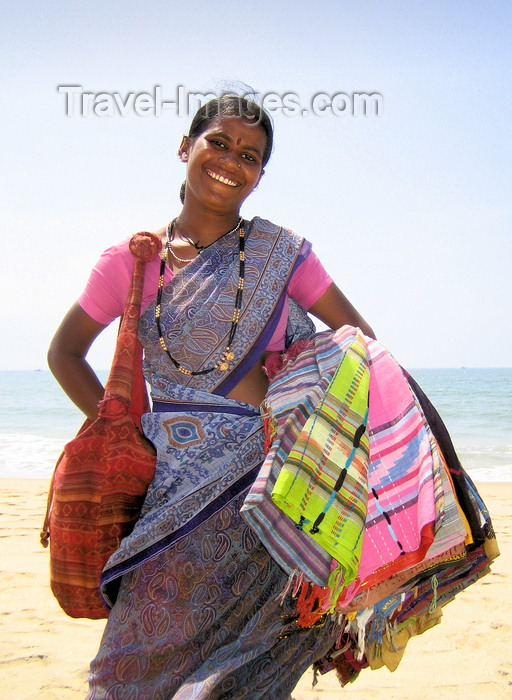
335,310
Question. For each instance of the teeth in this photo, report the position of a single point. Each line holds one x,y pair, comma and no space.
222,179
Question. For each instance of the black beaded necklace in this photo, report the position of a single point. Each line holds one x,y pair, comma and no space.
227,356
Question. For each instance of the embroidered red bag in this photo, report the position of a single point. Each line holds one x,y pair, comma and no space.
102,476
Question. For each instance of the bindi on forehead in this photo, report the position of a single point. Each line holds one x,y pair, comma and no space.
238,142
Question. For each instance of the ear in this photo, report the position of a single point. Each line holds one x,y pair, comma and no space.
184,148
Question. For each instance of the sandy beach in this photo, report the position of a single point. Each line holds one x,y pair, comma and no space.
45,654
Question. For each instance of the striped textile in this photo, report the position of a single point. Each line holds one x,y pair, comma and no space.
390,623
292,397
451,532
405,500
322,485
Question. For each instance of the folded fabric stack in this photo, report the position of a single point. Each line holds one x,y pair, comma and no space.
384,527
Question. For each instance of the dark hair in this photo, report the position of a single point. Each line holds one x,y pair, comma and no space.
230,105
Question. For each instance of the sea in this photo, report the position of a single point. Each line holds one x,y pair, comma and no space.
37,419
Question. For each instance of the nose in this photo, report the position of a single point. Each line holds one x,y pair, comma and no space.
230,161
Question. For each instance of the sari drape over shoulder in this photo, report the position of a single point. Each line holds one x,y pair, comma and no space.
198,611
209,448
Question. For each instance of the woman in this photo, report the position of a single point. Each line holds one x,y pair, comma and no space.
197,613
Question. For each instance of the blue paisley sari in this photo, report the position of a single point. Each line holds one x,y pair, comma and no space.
197,609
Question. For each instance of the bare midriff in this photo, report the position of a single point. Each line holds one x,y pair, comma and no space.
252,388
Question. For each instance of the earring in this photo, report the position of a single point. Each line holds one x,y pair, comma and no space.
183,157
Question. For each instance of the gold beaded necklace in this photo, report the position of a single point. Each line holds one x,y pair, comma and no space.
227,356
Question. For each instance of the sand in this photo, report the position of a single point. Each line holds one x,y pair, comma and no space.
45,654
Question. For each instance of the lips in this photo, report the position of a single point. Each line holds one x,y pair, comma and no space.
222,179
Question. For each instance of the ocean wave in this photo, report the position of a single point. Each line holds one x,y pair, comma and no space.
31,456
494,474
28,456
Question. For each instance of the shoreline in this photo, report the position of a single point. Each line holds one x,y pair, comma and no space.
45,654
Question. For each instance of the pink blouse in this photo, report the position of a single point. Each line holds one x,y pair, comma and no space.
104,296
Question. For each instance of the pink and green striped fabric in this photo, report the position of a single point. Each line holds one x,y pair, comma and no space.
322,484
402,491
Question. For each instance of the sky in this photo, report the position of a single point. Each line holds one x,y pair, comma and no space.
409,210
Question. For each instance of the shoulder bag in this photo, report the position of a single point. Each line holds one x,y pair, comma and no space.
102,476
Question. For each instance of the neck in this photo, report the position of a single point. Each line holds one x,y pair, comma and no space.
206,227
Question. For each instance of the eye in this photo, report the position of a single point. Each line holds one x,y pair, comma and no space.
219,144
247,156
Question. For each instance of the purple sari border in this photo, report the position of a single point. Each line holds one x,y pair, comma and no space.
171,407
109,578
258,348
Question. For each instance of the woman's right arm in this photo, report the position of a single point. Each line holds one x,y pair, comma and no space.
66,359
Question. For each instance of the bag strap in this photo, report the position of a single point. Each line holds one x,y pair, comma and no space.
121,386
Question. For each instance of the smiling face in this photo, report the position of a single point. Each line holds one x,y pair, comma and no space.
224,164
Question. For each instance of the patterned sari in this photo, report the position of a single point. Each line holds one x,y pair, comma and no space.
197,612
